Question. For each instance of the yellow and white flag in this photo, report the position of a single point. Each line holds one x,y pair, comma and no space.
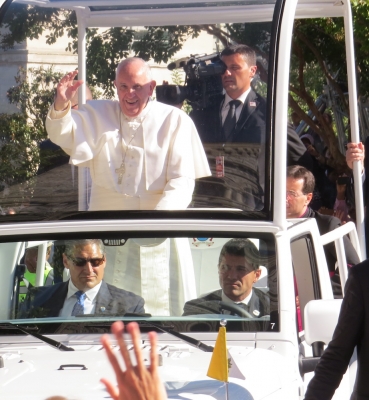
222,366
218,368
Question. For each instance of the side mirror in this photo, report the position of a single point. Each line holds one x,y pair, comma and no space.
320,318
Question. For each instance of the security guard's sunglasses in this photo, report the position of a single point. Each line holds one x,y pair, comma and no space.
81,262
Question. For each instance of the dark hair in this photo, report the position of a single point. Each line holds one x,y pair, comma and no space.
247,52
243,248
298,172
71,245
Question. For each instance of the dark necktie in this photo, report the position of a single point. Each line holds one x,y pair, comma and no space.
243,305
79,307
230,121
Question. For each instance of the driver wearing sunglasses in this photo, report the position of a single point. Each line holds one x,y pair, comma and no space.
85,292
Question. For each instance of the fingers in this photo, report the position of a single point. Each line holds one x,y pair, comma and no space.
154,351
111,389
355,152
134,331
69,77
118,329
111,356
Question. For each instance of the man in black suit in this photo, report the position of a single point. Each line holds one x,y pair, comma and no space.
238,269
236,122
232,130
300,187
85,292
351,331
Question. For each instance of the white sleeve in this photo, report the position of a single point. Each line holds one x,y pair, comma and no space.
177,194
54,114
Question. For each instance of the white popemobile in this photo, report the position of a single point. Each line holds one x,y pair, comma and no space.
170,258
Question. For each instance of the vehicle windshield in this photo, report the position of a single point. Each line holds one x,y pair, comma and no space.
106,160
187,283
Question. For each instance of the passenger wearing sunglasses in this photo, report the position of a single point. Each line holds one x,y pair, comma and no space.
85,292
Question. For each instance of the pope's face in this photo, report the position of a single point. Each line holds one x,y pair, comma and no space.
237,77
237,276
134,88
86,276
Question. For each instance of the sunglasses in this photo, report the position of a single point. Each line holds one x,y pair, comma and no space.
81,262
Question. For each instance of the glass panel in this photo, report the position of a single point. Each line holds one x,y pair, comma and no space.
104,161
319,107
192,282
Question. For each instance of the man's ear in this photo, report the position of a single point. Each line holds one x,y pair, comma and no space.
253,70
257,274
65,261
152,87
309,197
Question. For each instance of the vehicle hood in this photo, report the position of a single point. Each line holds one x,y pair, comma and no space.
37,372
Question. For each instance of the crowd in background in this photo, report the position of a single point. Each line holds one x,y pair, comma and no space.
333,194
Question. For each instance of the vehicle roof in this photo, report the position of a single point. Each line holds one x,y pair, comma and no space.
125,12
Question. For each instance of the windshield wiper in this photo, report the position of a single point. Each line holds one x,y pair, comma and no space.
50,342
193,342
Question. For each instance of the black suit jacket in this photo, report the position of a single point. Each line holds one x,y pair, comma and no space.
47,301
244,156
352,330
209,304
296,151
327,223
250,126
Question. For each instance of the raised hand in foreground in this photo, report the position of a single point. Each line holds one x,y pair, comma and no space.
135,382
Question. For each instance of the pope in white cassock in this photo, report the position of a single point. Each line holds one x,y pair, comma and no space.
142,154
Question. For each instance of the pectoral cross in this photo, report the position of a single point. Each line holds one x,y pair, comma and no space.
120,171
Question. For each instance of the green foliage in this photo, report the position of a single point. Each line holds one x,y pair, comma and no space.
21,133
23,21
255,35
19,153
161,43
177,80
360,11
104,51
33,94
104,48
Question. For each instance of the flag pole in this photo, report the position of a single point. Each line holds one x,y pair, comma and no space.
219,363
223,322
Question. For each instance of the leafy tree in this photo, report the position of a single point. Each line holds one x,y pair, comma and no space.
177,80
19,155
33,94
22,132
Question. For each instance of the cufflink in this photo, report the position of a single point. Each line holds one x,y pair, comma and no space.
256,313
102,309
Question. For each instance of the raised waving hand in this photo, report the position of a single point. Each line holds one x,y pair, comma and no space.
135,382
66,89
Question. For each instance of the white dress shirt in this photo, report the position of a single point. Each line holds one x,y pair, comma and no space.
227,99
244,301
71,299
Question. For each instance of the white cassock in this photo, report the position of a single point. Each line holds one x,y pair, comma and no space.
160,149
